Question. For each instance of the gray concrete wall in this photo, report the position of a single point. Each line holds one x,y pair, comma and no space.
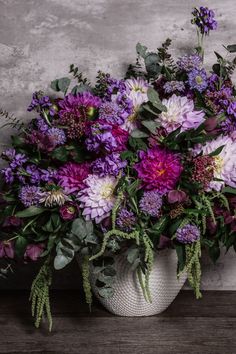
39,39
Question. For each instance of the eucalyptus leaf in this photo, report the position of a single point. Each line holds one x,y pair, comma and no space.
231,48
106,292
63,84
151,63
141,50
150,125
155,100
136,133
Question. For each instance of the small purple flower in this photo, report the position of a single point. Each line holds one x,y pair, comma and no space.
101,138
18,161
49,175
8,175
57,136
189,62
204,19
30,195
108,165
174,86
231,110
9,154
125,220
40,102
111,112
34,174
197,79
42,125
151,203
6,249
188,234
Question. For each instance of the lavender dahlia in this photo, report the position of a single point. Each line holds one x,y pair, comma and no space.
125,220
151,203
188,234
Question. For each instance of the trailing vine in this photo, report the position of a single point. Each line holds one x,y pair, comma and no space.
193,267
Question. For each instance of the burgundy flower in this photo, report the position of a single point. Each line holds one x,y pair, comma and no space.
12,221
211,124
71,176
69,211
164,242
6,249
33,252
176,196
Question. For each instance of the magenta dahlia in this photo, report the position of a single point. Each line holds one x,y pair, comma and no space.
159,169
75,111
71,176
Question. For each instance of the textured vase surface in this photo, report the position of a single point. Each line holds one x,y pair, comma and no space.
128,299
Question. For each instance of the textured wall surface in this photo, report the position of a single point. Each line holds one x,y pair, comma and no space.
39,39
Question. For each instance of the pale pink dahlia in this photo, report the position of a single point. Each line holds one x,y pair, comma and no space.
71,176
224,163
180,114
97,198
159,169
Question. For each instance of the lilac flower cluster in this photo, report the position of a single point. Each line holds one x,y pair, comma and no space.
16,161
151,203
197,79
204,19
188,234
40,102
189,62
108,165
125,220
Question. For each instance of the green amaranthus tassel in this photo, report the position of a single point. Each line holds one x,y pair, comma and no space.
86,281
40,295
193,266
149,259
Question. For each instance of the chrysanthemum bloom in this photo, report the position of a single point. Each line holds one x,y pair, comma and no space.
159,169
189,62
108,165
71,176
97,198
75,112
55,196
197,79
180,114
30,195
151,203
224,162
125,220
188,234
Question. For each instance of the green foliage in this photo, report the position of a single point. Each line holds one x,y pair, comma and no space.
40,295
11,120
104,274
151,60
86,280
155,100
61,85
30,211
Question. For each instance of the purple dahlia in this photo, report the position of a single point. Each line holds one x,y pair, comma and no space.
71,176
159,169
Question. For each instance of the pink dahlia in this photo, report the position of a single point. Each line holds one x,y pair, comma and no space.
97,198
180,114
75,111
71,176
159,169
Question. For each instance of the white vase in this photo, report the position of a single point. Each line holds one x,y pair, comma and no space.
128,299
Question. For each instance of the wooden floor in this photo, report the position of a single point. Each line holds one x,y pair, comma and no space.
206,326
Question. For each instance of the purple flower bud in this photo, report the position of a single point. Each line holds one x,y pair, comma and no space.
176,196
69,211
33,252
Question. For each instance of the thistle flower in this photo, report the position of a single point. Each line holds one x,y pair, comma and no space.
30,195
180,114
188,234
125,220
151,203
159,169
97,198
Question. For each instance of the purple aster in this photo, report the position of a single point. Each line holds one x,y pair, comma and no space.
197,79
204,19
173,86
76,111
7,174
188,234
108,165
30,195
189,62
57,136
231,110
111,112
125,220
151,203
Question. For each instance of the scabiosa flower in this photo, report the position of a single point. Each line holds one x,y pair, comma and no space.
224,162
57,136
151,203
75,112
197,79
125,220
188,234
189,62
97,198
174,86
54,196
30,195
41,125
108,165
180,114
159,169
71,176
112,113
204,19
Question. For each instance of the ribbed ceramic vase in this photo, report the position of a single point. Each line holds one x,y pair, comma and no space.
128,299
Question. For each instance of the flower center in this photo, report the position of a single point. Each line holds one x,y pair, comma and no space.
218,164
107,191
198,79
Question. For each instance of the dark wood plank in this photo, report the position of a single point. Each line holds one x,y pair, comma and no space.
188,326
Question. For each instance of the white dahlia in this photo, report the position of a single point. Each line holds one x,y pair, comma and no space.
180,113
224,162
97,198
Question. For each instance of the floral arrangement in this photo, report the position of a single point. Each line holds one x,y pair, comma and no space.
127,166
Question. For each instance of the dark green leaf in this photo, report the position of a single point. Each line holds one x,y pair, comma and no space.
31,211
136,133
20,246
180,250
217,151
229,190
231,48
151,62
150,125
155,100
60,154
